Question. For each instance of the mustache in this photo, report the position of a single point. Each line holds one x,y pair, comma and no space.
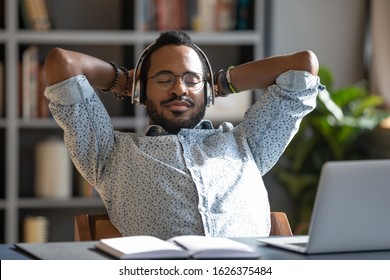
178,98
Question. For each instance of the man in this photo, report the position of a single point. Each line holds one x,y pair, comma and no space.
182,176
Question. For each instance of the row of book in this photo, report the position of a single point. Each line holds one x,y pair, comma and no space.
32,83
197,15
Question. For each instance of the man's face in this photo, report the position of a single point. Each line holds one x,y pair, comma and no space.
175,105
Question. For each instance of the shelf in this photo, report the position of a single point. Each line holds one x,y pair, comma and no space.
37,123
131,37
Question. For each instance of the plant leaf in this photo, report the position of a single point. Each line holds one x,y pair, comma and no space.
326,77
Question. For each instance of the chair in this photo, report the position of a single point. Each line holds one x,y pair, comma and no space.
94,227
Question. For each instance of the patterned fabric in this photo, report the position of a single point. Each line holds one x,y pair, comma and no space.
202,181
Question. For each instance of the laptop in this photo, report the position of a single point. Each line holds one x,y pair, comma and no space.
351,210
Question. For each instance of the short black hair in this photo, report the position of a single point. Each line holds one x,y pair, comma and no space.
171,37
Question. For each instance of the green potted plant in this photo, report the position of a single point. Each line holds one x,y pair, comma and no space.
330,132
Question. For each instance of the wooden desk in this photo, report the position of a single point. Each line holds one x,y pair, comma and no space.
86,250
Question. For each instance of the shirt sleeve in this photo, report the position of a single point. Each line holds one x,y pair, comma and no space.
88,131
270,124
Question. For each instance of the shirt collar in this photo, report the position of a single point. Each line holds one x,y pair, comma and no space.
156,130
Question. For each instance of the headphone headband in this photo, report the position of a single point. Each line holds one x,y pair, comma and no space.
136,97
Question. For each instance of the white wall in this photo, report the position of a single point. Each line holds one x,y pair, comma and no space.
333,29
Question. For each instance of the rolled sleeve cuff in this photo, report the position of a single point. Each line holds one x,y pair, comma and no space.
295,80
69,91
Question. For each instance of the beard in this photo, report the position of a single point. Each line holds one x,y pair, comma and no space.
178,122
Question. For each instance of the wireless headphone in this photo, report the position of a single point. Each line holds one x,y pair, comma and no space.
139,94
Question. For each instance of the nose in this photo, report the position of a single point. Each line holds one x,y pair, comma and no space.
179,88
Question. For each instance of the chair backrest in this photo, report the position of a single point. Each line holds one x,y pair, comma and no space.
94,227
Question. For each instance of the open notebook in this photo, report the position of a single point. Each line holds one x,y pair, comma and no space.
351,210
178,247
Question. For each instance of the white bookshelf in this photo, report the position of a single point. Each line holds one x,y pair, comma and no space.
14,130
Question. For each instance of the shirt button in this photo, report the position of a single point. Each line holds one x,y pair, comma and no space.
202,209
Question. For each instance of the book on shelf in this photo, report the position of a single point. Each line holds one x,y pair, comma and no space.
35,14
43,102
30,66
198,15
244,14
179,247
225,15
32,86
174,15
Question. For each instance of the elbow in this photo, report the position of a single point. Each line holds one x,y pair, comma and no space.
54,57
310,62
55,66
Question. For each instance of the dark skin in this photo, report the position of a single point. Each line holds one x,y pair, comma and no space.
178,106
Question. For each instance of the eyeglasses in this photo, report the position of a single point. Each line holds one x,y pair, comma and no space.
165,80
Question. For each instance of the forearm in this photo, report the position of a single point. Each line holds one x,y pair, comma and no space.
263,73
62,64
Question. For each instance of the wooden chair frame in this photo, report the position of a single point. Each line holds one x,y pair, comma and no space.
94,227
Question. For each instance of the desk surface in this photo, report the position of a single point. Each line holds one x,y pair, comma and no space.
87,250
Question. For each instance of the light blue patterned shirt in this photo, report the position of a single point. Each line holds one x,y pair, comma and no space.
201,181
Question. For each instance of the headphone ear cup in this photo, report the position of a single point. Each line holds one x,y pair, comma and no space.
210,95
136,93
207,94
209,87
138,96
142,93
